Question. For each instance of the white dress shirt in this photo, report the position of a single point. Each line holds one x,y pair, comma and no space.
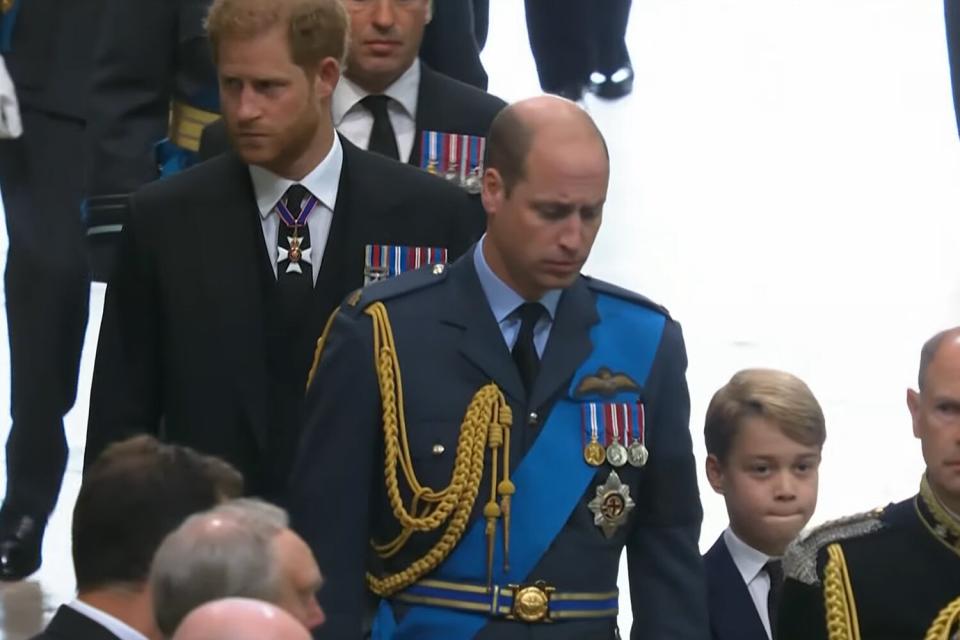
323,183
117,627
355,122
750,563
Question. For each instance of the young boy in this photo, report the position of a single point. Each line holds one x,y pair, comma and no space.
764,433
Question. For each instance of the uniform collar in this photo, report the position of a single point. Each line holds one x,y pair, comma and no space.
323,182
405,90
943,524
749,561
502,299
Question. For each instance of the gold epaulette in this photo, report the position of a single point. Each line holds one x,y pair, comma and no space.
800,559
946,626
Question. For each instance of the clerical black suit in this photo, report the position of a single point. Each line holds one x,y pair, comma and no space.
187,348
443,104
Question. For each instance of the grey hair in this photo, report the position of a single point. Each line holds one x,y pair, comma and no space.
221,553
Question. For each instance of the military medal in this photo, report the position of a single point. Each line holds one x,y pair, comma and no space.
456,157
616,452
382,261
430,144
295,253
593,452
637,453
611,505
451,171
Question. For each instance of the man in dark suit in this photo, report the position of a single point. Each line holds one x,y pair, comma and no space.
894,572
489,493
580,46
135,493
152,89
390,102
228,269
45,44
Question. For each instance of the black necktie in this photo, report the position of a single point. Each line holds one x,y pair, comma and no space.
383,140
294,255
524,350
775,570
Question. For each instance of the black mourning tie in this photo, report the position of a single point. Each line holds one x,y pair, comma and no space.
294,255
775,570
524,350
383,140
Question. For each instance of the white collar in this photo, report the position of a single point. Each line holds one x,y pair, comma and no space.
323,182
115,626
749,561
405,90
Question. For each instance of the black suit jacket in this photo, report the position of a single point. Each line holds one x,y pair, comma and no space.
733,615
69,624
182,349
49,58
449,345
443,104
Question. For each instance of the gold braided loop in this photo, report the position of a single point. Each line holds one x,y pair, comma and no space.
482,428
842,623
946,623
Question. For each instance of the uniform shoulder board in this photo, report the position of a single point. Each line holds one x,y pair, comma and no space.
800,559
394,287
613,290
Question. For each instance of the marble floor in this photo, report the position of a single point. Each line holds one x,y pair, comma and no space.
785,182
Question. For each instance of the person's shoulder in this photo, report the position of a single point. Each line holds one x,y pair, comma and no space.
603,288
806,555
417,282
466,93
212,175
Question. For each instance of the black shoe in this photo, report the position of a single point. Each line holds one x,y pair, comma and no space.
21,539
613,85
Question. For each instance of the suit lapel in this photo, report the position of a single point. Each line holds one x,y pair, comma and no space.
429,111
69,623
733,615
232,271
569,343
482,343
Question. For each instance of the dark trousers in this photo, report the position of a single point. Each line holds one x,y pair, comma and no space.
47,290
570,39
454,38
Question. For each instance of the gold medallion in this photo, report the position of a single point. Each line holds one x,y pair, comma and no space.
594,454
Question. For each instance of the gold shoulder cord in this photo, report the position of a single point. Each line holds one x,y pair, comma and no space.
946,623
486,425
842,622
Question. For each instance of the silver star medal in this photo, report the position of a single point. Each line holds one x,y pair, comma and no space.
611,505
295,254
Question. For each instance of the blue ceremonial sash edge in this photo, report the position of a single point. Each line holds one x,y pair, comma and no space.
625,340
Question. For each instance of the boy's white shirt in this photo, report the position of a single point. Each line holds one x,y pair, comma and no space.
750,563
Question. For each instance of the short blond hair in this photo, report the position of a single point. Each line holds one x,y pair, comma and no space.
780,397
316,29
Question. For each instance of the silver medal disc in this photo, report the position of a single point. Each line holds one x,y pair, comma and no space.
617,454
637,454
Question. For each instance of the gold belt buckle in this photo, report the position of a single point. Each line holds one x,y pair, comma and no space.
531,603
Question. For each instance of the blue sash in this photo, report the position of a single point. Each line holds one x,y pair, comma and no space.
625,340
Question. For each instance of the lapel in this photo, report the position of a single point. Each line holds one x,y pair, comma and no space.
68,623
232,273
733,616
569,343
430,115
482,343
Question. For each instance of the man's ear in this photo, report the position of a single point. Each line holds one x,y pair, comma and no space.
715,474
913,404
493,192
326,77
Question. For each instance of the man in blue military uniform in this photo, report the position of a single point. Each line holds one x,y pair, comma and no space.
45,45
152,90
541,426
893,573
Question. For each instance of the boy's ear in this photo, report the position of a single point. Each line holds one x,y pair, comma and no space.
715,475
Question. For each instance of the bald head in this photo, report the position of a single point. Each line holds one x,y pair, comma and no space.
949,339
240,619
547,119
